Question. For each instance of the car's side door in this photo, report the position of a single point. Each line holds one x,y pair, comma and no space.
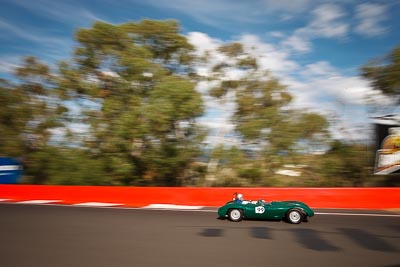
257,210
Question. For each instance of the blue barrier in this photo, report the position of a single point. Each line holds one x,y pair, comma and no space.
10,170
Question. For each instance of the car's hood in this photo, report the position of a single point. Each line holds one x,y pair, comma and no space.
287,202
280,203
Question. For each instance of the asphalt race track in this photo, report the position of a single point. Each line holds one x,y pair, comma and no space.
56,236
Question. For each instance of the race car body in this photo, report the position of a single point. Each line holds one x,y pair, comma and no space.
293,211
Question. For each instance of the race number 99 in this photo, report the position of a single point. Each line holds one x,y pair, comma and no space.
260,209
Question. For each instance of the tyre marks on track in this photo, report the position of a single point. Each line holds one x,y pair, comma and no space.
212,232
260,232
315,240
367,240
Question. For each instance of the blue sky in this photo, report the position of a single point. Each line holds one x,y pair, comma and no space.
315,47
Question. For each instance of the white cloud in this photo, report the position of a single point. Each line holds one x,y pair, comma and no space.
339,89
328,19
203,42
326,14
234,74
342,99
317,69
320,81
298,43
8,64
203,86
317,86
370,18
228,14
327,22
331,21
206,46
269,57
277,34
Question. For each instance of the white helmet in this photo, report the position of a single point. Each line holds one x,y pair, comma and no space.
239,196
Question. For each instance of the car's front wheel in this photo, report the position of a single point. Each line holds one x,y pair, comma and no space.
294,216
235,215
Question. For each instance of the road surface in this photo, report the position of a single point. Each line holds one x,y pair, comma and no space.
57,236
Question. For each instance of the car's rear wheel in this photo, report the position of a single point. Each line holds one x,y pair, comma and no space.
294,216
235,215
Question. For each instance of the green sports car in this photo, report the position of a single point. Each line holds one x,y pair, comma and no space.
292,211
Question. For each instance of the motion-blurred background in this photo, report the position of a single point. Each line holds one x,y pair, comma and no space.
223,94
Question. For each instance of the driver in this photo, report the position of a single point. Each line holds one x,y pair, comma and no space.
238,198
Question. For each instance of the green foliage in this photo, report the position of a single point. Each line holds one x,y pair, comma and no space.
13,118
173,100
133,86
385,73
253,173
250,63
262,115
162,38
30,109
276,136
51,165
346,164
33,71
232,49
144,129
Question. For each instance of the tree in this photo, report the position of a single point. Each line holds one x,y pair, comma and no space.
130,85
384,73
346,164
263,116
31,110
66,166
36,87
137,75
14,115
